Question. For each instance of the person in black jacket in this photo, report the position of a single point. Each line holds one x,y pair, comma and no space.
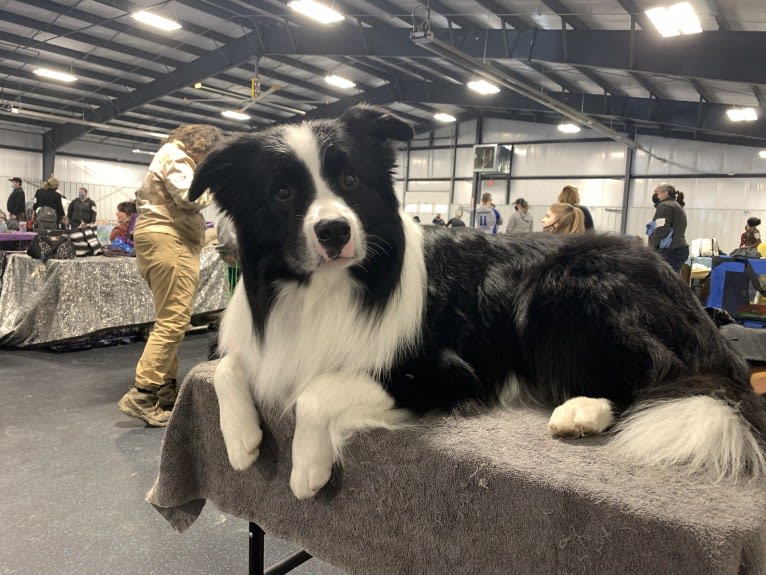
81,210
17,200
669,235
48,195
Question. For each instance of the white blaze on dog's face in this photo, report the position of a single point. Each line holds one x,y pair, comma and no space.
333,233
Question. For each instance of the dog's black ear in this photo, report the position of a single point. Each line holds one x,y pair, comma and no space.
223,167
377,122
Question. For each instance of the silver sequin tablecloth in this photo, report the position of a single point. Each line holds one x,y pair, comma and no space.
64,300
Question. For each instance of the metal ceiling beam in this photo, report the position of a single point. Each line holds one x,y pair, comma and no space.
704,91
720,17
233,54
576,23
758,93
566,14
517,22
600,81
636,13
710,55
650,87
674,114
540,68
91,40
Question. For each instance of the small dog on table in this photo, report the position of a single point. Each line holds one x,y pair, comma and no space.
360,318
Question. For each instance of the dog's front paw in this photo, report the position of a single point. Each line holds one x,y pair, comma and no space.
243,444
307,479
581,416
312,460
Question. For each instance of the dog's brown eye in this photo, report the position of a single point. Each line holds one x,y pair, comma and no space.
283,193
349,180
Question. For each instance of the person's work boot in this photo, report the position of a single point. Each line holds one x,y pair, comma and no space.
167,395
144,405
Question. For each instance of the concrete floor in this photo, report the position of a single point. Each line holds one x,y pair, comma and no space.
75,471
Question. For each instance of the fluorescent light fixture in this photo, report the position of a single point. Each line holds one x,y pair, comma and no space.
55,75
685,18
339,82
233,115
137,151
677,19
483,87
317,11
15,110
443,117
156,21
762,154
742,114
569,128
158,135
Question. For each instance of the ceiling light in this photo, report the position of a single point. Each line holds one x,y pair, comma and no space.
137,151
339,82
569,128
317,11
742,114
14,110
674,20
156,21
483,87
686,18
442,117
158,135
762,154
232,115
55,75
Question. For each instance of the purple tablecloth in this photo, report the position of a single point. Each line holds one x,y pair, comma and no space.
16,236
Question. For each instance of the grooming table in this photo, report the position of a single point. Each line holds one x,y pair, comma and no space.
485,494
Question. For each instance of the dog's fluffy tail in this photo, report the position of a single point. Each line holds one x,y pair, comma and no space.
720,434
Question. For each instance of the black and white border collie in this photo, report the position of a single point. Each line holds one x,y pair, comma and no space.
359,318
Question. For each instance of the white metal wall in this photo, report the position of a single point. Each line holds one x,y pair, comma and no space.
719,192
108,182
717,204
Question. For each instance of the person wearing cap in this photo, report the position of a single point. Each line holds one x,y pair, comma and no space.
16,200
669,234
49,196
521,220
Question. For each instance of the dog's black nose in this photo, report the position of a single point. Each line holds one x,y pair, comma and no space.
333,235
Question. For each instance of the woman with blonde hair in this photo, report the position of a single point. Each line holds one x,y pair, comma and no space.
570,195
564,219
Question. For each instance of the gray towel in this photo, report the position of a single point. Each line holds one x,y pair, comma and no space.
491,493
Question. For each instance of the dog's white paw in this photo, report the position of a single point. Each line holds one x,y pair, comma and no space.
307,480
312,460
243,444
581,416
